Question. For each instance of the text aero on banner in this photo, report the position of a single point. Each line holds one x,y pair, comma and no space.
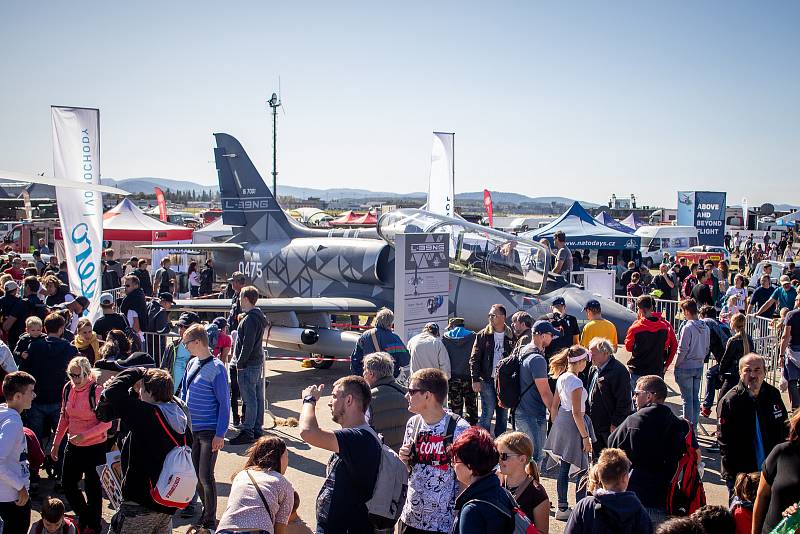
76,158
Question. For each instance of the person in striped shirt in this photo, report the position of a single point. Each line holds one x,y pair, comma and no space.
204,389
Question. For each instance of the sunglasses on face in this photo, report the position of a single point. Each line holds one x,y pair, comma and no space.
74,375
640,391
504,456
413,391
492,315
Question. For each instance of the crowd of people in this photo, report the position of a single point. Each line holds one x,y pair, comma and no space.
554,399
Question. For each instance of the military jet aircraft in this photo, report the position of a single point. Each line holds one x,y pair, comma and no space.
307,274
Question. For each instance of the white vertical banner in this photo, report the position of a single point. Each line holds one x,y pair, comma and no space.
76,158
441,185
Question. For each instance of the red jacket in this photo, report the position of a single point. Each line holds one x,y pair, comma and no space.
652,344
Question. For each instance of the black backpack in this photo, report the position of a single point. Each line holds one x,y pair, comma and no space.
509,390
92,394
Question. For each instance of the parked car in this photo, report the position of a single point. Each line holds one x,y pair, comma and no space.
701,253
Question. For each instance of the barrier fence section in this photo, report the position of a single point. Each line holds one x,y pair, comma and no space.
669,309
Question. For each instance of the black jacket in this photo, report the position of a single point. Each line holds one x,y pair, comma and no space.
736,416
206,281
236,310
611,513
610,396
135,300
458,344
54,300
473,517
481,360
729,364
145,284
146,444
654,440
250,344
157,318
47,362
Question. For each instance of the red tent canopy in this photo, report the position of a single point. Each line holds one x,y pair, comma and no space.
126,222
356,219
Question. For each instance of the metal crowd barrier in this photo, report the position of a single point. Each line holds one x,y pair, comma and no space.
766,336
118,293
670,309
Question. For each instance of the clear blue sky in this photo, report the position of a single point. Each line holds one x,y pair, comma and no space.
576,99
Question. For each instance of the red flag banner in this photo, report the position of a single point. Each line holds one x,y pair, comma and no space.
162,204
487,203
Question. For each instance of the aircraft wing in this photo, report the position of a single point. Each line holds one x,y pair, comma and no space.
58,182
298,305
214,247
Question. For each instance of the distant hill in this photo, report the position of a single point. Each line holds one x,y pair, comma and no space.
146,185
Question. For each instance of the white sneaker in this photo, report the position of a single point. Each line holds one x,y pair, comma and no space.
563,515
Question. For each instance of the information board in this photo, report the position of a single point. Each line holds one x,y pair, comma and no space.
422,282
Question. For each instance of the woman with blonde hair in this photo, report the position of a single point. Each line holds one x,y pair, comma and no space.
520,476
571,436
739,344
261,499
86,341
85,448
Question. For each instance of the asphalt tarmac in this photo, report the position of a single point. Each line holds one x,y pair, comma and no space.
307,464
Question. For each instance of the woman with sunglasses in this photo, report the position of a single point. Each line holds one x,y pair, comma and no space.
484,506
571,436
85,448
520,476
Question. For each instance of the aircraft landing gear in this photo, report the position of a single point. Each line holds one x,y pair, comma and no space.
317,362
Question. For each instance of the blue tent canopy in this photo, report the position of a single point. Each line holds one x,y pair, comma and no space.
605,218
583,231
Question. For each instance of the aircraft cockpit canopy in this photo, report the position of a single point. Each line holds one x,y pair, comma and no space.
477,251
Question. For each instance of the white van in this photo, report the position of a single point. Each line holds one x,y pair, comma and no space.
656,240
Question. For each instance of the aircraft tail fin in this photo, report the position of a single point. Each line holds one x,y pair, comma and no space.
246,199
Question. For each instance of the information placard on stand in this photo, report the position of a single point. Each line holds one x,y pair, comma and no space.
422,282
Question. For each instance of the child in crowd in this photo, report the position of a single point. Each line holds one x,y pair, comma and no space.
53,520
744,491
86,341
33,330
730,309
611,508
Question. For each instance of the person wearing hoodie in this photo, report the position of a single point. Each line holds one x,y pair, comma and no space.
611,508
15,506
650,340
143,399
47,362
492,344
693,346
484,505
249,360
428,351
654,439
86,448
458,341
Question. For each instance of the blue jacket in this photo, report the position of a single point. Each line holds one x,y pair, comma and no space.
388,341
474,514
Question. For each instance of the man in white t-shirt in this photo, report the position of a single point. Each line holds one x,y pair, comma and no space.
432,484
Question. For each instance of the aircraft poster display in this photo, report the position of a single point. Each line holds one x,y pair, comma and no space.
422,282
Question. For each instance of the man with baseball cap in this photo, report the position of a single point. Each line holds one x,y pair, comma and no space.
177,355
110,320
236,283
566,324
597,326
530,415
158,323
784,296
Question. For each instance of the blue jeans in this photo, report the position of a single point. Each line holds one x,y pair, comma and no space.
251,388
689,384
535,427
562,486
489,407
712,385
43,419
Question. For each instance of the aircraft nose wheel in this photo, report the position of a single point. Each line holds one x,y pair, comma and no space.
317,362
